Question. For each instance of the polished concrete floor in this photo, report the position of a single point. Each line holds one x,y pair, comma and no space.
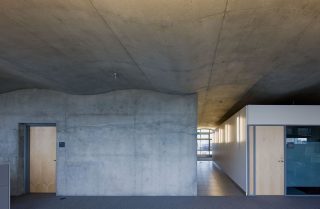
231,202
213,182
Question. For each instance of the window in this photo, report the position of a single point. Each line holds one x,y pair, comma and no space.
205,139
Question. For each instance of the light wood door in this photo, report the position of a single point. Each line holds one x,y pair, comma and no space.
43,159
269,164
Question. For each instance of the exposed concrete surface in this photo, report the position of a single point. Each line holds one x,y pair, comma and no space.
130,142
231,52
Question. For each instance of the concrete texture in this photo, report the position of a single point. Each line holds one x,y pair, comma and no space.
129,142
231,52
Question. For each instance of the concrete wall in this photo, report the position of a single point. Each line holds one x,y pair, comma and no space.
230,147
283,114
131,142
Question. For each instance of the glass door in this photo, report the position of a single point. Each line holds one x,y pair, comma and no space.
303,160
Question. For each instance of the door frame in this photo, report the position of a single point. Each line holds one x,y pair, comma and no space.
24,129
253,155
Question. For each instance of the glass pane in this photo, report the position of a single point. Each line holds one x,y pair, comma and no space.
204,142
205,147
303,160
198,147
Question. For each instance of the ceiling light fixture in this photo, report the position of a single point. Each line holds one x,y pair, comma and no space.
115,76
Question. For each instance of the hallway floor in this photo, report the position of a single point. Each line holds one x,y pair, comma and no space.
213,182
231,202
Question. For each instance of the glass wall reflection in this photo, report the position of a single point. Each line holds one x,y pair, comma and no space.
303,160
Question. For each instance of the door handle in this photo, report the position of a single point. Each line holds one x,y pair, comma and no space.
280,161
54,160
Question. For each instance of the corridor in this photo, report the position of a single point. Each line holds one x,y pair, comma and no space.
213,182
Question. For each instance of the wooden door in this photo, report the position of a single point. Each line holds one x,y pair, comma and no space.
269,143
43,159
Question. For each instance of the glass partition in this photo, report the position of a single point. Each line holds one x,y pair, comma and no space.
303,160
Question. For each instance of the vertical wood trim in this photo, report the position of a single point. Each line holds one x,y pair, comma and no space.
251,160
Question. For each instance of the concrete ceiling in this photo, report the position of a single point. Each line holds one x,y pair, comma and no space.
231,52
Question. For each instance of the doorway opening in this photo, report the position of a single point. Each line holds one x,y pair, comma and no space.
211,180
39,157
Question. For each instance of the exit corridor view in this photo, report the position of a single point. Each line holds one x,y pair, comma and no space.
213,182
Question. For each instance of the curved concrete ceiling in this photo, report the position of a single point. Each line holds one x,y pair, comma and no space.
231,52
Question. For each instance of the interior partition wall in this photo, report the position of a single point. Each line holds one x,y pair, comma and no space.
284,160
301,162
230,148
281,154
